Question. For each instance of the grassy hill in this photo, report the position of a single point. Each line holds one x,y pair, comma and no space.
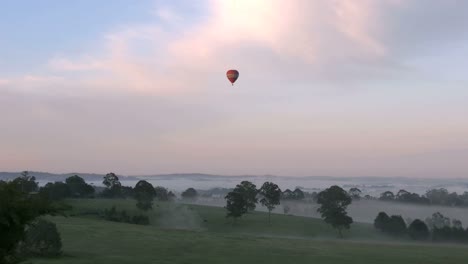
199,234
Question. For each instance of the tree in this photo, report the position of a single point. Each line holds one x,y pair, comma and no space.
26,183
437,220
418,230
249,192
17,210
407,197
241,199
78,187
171,196
236,204
438,196
271,195
287,195
355,193
125,191
382,221
55,191
464,198
333,203
387,196
298,194
114,187
190,193
457,224
393,225
397,226
42,239
161,193
111,180
144,193
402,195
454,200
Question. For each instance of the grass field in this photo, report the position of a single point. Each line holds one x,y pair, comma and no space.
210,238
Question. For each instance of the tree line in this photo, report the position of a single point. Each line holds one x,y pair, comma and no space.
22,202
440,196
333,202
436,228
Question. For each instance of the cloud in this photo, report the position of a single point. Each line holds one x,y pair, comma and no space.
268,40
152,58
85,64
157,90
4,82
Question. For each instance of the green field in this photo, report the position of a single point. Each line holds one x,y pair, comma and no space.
200,234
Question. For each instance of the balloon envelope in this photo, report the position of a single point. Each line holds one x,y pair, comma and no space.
232,75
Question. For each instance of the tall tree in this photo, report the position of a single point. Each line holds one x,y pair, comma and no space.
381,221
78,187
190,194
438,196
271,195
236,204
418,230
55,191
287,195
241,199
249,192
17,210
387,196
114,187
298,194
111,180
161,193
144,193
437,220
397,226
333,203
355,193
26,183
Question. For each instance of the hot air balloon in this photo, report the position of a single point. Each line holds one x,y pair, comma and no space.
232,75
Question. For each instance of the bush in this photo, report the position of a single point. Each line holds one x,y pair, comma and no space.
394,225
190,193
418,230
381,221
122,217
161,193
397,225
42,239
17,211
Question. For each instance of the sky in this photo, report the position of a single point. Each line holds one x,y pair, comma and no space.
326,87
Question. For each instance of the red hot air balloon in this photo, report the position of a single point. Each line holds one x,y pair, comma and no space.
232,75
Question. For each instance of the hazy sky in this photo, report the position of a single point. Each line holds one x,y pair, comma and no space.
326,87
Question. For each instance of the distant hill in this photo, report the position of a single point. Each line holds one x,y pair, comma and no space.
217,180
51,177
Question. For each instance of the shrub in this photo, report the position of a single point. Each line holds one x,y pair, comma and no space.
393,225
418,230
122,217
42,239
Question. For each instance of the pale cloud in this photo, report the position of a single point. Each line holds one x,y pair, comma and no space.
154,95
167,15
151,59
4,82
38,79
85,64
337,41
